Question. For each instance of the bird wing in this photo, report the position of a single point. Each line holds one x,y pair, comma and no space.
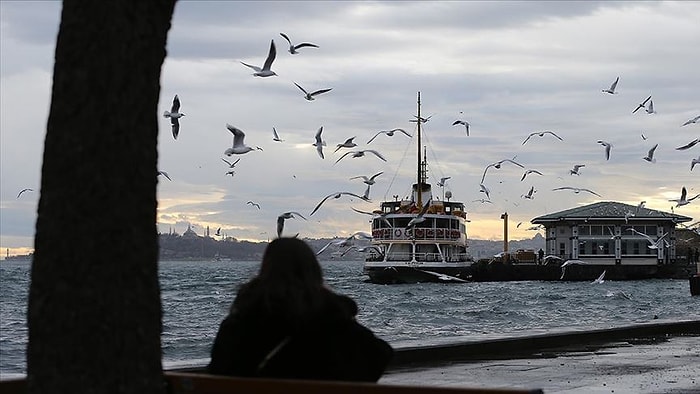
175,125
319,141
376,175
552,133
651,151
341,157
275,136
238,135
302,89
645,101
270,56
298,214
176,104
375,136
321,91
321,203
256,68
689,144
614,84
376,153
305,44
286,38
592,192
528,137
280,225
456,122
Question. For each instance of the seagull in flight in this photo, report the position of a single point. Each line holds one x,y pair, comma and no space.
239,147
607,146
485,190
24,191
420,118
497,165
389,133
265,70
574,171
419,218
375,215
338,195
361,153
541,134
275,136
689,144
231,165
693,162
642,104
443,181
483,201
528,172
255,204
370,180
293,48
165,174
683,200
693,120
530,194
650,156
347,144
287,215
653,243
463,123
612,87
650,108
576,190
310,96
174,115
319,143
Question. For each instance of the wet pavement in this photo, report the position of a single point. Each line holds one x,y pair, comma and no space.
669,364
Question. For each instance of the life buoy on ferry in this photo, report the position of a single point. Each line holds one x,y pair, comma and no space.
455,233
440,233
387,232
430,233
419,233
397,232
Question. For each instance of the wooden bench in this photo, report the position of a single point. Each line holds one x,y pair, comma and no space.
199,383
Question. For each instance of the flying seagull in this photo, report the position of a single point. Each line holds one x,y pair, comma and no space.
319,143
419,218
337,195
361,153
497,165
265,70
530,194
485,190
293,48
281,218
642,104
231,165
607,146
347,144
612,87
689,144
375,215
683,200
576,190
653,243
576,168
174,116
275,136
389,133
443,181
693,120
463,123
165,174
528,172
370,180
23,191
255,204
650,156
310,96
693,162
541,134
239,147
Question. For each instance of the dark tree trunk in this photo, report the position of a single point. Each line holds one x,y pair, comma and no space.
94,303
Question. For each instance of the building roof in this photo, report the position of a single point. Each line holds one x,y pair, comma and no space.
611,210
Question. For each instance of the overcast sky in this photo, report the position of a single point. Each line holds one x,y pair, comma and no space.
508,68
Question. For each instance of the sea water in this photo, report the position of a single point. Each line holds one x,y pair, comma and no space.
196,296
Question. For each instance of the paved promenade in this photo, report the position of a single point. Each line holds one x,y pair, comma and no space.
645,362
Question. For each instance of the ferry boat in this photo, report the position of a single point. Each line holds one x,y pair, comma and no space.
420,238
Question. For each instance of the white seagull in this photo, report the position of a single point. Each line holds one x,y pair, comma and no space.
576,168
541,134
463,123
683,200
497,165
361,153
653,243
281,218
310,96
337,195
576,190
650,156
443,181
174,115
347,144
689,144
693,120
24,191
642,104
389,133
293,48
528,172
693,162
255,204
530,194
376,215
265,70
231,165
319,143
370,180
275,136
419,218
239,147
485,190
165,174
612,87
607,146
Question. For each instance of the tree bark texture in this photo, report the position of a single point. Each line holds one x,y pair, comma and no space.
94,311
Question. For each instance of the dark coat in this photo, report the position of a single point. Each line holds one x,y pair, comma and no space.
328,345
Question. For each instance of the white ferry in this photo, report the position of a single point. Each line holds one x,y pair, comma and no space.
420,238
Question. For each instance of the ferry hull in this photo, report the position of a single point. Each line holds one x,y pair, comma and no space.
405,274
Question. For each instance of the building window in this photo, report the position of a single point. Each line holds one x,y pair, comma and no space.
562,249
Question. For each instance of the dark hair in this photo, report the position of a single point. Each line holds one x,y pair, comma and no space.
289,283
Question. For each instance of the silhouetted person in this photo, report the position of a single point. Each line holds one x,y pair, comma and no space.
285,323
540,256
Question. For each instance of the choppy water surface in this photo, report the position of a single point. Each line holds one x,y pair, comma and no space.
196,297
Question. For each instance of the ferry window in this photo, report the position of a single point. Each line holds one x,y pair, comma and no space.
623,247
441,223
635,247
594,247
562,248
584,230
